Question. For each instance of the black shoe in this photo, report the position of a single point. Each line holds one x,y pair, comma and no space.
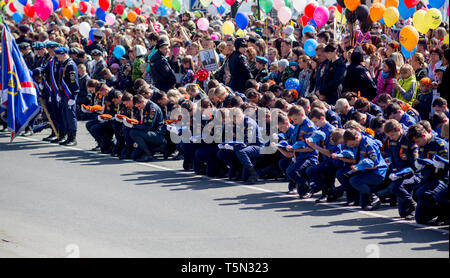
125,154
350,203
410,216
375,204
71,143
49,138
96,149
28,132
253,178
322,199
306,195
145,158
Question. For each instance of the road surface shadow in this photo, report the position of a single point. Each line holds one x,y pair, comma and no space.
22,146
82,158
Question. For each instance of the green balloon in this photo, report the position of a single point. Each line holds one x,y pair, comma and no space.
198,14
176,4
288,3
124,15
266,5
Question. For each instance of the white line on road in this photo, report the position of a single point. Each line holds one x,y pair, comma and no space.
368,213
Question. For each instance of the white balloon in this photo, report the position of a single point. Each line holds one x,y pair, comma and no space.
299,5
84,29
212,10
18,6
278,4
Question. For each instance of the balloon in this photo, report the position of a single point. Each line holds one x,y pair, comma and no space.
230,2
212,10
119,51
341,3
419,21
67,13
278,4
129,3
292,84
409,37
110,19
284,14
404,11
104,4
132,16
436,3
203,24
362,13
376,12
119,9
55,5
445,39
240,33
228,28
155,8
321,16
101,14
176,5
288,3
201,75
339,16
365,25
351,16
205,3
352,4
138,11
91,34
84,29
299,5
162,11
391,3
29,10
266,5
308,28
18,6
17,17
310,47
310,8
217,3
406,53
167,3
391,16
241,20
412,3
433,18
304,20
43,8
83,7
221,10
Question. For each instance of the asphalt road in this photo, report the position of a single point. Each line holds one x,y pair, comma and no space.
67,202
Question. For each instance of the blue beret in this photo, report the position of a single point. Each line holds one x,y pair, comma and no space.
62,50
293,63
318,136
404,172
283,144
38,45
52,44
346,154
365,164
100,23
98,34
299,145
262,60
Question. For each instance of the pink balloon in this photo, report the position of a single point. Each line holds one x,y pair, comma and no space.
203,24
278,4
320,16
43,8
284,14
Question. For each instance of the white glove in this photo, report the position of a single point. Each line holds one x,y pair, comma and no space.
71,102
220,146
418,166
228,147
393,177
100,119
58,98
438,165
127,124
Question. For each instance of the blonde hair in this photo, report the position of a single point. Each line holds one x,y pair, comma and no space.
444,130
341,104
407,68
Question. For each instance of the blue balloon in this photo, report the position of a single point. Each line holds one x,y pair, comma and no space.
292,83
221,10
161,11
313,23
55,5
382,21
17,17
310,47
404,12
407,53
129,3
308,28
436,3
119,51
23,2
241,20
101,14
91,34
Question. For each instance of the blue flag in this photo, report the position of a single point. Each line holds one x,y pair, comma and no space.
18,92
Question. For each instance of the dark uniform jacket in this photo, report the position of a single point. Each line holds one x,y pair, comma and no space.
333,77
68,73
30,60
151,119
358,79
162,74
239,71
92,46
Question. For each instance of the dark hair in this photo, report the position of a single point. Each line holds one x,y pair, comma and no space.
127,96
414,131
316,113
361,103
331,46
436,50
392,108
392,125
324,35
392,68
384,98
281,103
158,95
350,135
377,122
439,101
438,119
251,83
138,99
236,101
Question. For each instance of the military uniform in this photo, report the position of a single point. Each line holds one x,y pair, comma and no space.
52,99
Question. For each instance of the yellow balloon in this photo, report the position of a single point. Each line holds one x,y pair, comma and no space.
391,16
419,21
167,3
241,33
228,28
446,39
433,18
338,17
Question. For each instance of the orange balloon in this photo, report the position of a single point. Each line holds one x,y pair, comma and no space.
132,16
391,3
74,7
409,37
352,4
376,12
67,13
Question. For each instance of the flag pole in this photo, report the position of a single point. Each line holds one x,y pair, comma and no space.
48,117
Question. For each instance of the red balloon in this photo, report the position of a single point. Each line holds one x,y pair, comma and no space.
339,8
83,6
93,10
155,8
12,8
331,8
28,10
310,8
119,9
202,75
304,19
104,4
230,2
138,11
411,3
